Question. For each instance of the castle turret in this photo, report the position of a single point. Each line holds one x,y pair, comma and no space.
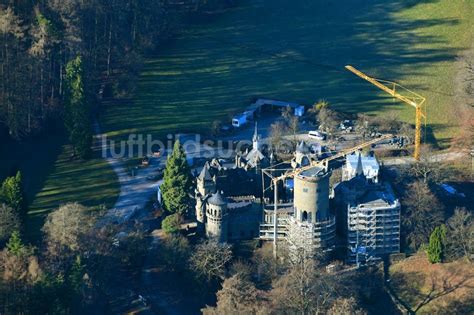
205,185
217,216
301,156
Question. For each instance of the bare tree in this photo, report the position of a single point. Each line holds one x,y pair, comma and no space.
293,127
267,268
423,212
389,122
209,260
286,113
237,296
464,139
66,235
425,168
460,236
346,306
304,290
328,120
277,131
362,124
9,222
314,110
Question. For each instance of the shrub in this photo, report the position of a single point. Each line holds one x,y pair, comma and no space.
171,224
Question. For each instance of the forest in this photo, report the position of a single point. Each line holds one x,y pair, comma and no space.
40,39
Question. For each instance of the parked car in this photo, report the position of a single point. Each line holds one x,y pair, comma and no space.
239,120
313,134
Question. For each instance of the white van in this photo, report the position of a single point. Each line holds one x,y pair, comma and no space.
239,121
313,134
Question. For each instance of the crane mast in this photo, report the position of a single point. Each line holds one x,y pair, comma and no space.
411,98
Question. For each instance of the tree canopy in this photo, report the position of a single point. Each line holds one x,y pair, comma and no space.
9,222
437,245
77,112
176,182
13,195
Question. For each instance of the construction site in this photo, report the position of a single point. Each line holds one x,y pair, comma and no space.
356,218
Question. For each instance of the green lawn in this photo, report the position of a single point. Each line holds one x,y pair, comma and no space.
52,179
279,48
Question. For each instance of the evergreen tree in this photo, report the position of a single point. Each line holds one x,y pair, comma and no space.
13,195
15,244
171,224
176,182
76,275
436,246
77,113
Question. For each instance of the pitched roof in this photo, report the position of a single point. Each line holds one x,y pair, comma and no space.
205,174
217,199
302,147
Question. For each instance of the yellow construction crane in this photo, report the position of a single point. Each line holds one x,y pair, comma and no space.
412,99
293,172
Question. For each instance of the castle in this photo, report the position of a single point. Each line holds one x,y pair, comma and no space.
229,205
228,195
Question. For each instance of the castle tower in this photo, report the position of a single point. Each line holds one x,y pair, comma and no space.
205,182
301,155
313,228
217,216
311,197
205,186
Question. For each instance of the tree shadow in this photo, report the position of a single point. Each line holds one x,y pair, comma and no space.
414,291
293,51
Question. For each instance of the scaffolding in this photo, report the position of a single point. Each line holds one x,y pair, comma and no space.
373,231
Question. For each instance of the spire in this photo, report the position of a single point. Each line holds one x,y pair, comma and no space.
359,168
302,148
205,174
255,138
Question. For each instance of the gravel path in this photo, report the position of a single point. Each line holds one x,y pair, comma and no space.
135,191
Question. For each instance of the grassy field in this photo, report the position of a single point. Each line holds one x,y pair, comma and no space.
52,179
296,51
435,289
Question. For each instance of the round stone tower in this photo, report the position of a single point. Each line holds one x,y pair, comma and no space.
312,229
311,195
216,213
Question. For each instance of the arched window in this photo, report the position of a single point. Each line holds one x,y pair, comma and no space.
304,216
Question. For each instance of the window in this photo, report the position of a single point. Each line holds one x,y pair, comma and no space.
304,216
305,190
